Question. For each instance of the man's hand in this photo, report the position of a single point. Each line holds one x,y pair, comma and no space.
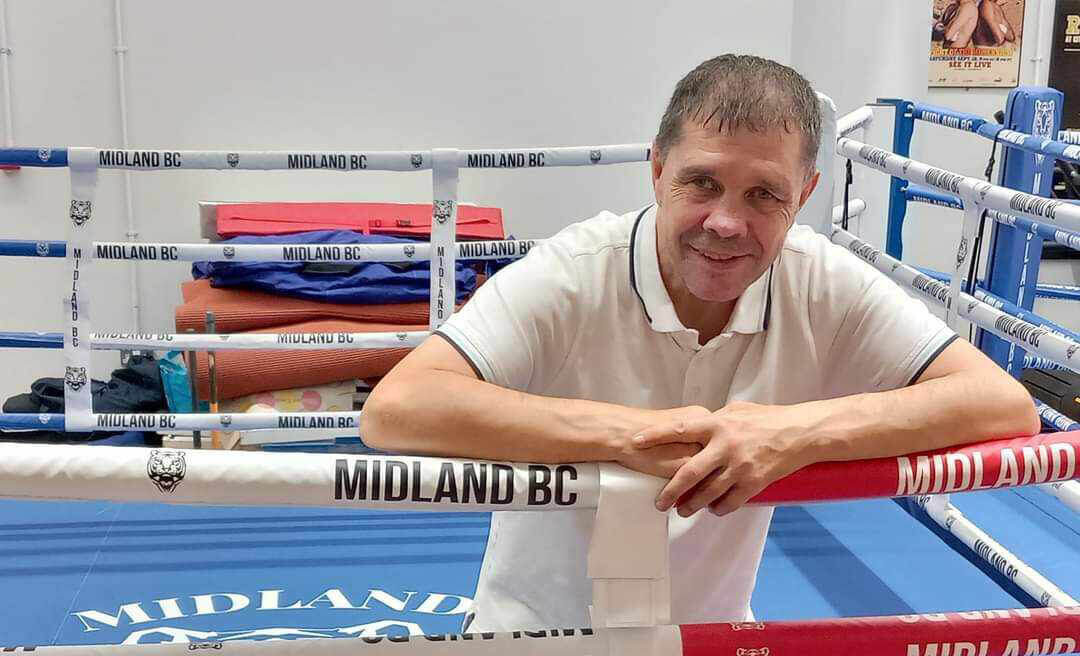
744,448
665,459
960,19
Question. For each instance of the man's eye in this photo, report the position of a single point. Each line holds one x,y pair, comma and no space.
763,194
704,183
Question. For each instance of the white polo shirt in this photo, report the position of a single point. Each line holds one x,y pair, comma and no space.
586,315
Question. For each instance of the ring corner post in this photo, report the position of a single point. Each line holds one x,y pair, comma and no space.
903,131
1012,267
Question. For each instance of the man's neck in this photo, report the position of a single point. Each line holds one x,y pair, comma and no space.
708,318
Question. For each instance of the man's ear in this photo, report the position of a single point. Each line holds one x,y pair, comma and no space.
808,188
657,166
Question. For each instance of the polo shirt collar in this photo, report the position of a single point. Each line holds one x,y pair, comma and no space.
752,309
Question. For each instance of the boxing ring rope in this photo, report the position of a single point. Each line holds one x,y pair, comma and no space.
995,132
254,160
324,253
860,118
34,471
1032,632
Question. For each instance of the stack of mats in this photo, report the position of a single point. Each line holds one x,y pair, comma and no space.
247,372
236,310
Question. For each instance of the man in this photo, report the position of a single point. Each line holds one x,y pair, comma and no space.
699,339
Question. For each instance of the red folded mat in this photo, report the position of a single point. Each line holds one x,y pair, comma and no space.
238,310
248,372
403,219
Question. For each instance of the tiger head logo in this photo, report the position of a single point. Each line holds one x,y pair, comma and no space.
595,155
1043,122
761,651
44,154
949,521
166,469
402,337
1072,351
417,160
80,212
43,249
962,251
226,420
410,250
444,209
229,252
75,378
233,159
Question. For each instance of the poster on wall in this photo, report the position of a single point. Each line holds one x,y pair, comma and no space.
976,43
1065,60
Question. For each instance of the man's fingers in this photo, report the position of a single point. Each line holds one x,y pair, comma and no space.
715,486
680,432
684,480
734,499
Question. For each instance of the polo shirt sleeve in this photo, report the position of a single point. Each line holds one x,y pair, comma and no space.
518,328
881,337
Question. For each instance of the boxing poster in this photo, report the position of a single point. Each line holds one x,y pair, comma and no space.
976,43
1065,60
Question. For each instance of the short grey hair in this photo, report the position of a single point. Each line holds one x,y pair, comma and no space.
742,91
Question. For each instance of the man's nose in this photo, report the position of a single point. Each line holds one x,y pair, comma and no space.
726,223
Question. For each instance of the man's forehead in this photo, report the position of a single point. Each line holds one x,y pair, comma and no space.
709,146
724,163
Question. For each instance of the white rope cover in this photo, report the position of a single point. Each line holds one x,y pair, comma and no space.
997,556
347,422
248,478
860,118
971,190
257,341
654,641
1067,492
1032,338
330,253
356,160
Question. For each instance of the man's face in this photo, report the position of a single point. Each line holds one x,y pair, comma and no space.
726,202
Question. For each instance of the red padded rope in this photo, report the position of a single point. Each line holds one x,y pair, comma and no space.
986,465
1020,632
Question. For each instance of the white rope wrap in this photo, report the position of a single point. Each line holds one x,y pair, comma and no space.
257,341
1023,575
971,190
1067,492
291,479
860,118
1034,339
356,160
654,641
346,422
331,253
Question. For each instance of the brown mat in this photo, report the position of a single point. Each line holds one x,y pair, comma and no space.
237,310
248,372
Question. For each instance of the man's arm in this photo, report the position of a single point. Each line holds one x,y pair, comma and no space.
432,403
961,397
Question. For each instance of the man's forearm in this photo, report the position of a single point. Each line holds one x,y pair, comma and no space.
959,408
445,413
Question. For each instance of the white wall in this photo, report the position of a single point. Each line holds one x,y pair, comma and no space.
323,74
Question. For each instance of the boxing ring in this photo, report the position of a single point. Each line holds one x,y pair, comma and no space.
186,547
